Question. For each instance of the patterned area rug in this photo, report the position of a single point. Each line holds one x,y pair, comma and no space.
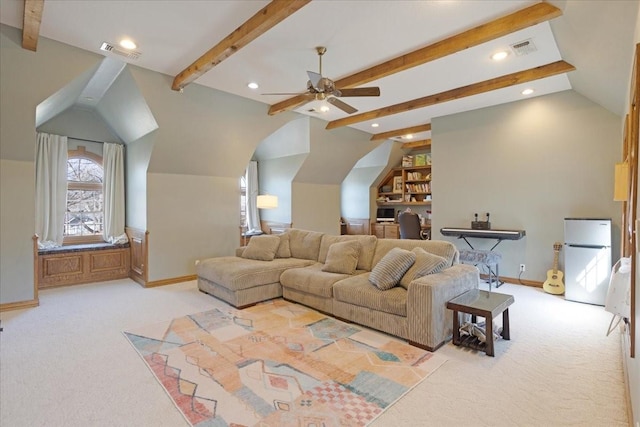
279,364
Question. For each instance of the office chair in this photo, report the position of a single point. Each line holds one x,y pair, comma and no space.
410,226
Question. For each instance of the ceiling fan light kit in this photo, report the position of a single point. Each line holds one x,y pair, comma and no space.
321,88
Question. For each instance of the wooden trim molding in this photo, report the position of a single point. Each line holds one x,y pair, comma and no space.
19,305
171,281
36,263
31,23
515,281
527,17
265,19
548,70
139,250
400,132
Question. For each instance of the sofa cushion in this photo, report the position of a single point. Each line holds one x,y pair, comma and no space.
312,280
263,247
284,249
304,244
235,273
357,290
367,245
426,263
441,248
342,257
387,273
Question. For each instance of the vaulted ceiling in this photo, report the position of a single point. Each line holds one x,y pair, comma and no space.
429,58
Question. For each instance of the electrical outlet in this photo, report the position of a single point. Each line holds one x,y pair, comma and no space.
522,268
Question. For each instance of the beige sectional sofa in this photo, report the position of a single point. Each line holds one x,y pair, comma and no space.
323,272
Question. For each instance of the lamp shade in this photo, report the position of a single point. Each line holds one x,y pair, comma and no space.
267,201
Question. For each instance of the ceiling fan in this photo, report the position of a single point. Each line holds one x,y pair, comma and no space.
320,88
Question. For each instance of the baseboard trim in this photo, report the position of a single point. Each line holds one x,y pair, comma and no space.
19,305
173,280
515,281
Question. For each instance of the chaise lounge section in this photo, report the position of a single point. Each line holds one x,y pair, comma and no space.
354,278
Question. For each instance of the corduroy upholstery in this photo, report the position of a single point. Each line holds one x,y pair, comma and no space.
417,313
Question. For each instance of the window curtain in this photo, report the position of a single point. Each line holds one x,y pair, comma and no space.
113,193
253,218
51,189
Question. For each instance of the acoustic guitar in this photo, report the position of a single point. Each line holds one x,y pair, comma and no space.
553,284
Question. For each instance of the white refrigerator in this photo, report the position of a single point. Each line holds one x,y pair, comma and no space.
587,259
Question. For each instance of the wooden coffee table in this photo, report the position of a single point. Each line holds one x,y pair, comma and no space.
484,304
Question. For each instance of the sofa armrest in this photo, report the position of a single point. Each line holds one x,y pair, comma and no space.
429,322
240,251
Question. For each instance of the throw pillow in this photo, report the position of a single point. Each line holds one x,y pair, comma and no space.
426,263
389,270
284,250
342,257
262,248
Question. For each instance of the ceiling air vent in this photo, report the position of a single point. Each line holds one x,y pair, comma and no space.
110,47
524,47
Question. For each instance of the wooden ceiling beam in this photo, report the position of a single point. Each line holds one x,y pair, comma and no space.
400,132
527,17
31,23
558,67
423,143
267,18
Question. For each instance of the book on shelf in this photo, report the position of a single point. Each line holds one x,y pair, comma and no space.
407,161
417,188
420,159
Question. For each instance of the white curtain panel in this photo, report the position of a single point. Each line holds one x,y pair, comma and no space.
113,193
253,218
51,189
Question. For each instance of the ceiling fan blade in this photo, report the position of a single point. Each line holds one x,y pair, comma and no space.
284,93
314,78
360,91
341,105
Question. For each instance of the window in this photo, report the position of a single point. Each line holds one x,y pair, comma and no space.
243,201
84,216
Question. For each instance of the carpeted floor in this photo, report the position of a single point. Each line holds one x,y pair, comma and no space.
66,363
279,364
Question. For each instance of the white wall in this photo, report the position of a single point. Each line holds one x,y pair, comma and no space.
316,207
189,218
26,79
275,177
189,199
16,230
80,123
530,164
138,155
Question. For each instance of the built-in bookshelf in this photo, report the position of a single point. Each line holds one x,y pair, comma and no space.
407,185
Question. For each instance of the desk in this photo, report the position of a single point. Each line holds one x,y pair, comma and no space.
391,230
500,235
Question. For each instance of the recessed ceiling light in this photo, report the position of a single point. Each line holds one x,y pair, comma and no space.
408,136
128,44
499,56
527,91
324,109
374,125
253,85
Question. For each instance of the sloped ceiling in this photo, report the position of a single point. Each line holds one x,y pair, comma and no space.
111,92
595,36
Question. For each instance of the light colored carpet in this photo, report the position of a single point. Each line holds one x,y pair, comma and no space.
66,363
279,364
